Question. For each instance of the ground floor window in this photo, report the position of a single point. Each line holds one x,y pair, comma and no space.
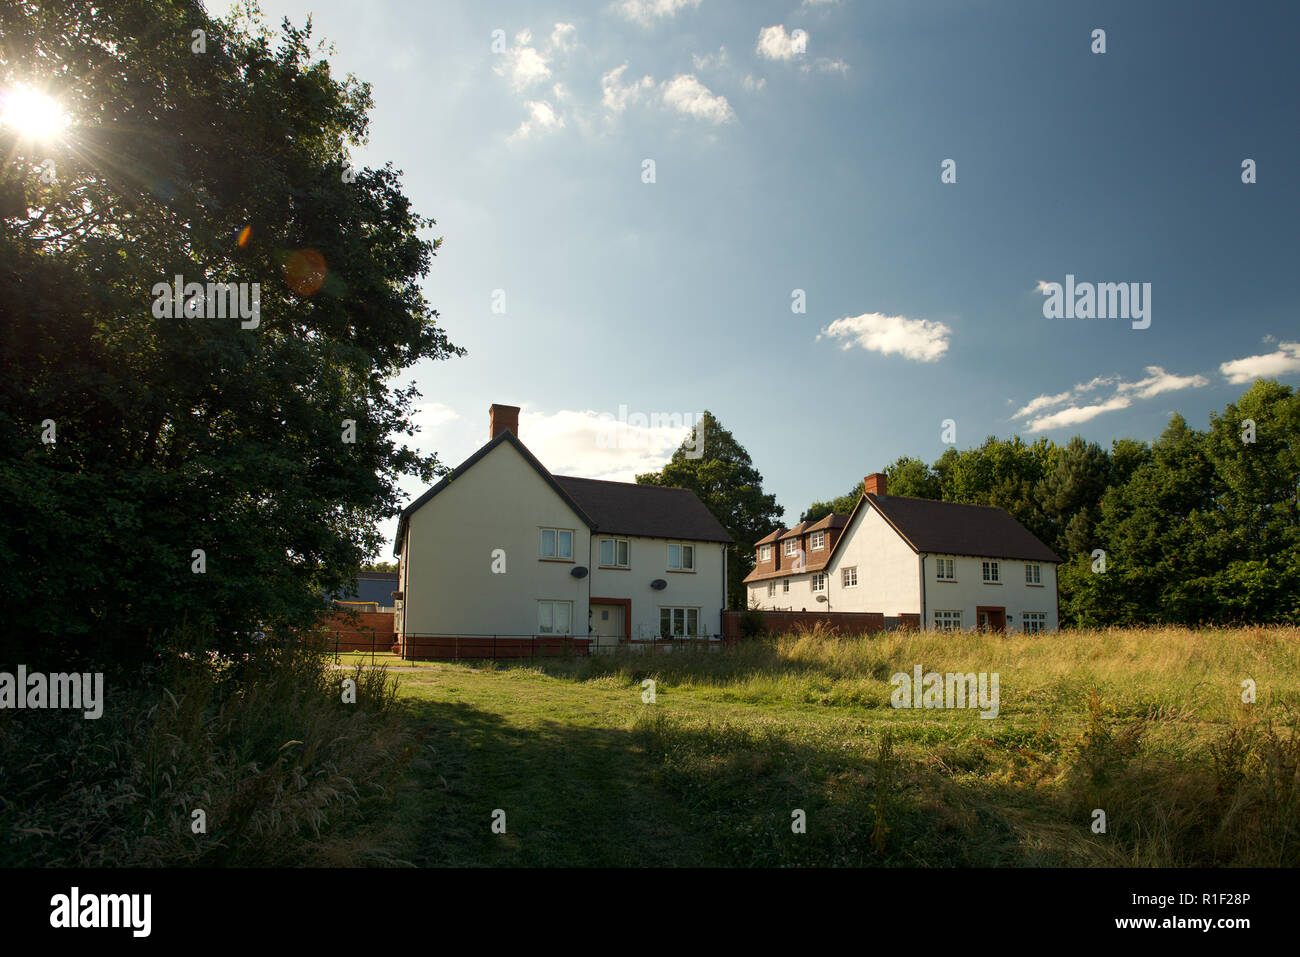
679,622
947,621
771,589
1034,621
555,617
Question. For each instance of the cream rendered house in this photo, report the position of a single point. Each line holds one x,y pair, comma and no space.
503,549
945,565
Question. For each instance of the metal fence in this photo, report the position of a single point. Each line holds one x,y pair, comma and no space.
501,647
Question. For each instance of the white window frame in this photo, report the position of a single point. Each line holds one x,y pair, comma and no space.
945,564
791,546
849,573
682,620
785,586
816,541
1033,573
684,548
765,553
771,589
991,572
818,581
1033,622
627,547
541,544
947,620
550,605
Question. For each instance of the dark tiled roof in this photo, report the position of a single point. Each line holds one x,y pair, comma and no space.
949,528
771,536
833,520
646,510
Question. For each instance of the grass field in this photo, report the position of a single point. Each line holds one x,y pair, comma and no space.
1147,726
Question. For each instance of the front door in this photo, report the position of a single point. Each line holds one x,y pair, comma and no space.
991,619
606,625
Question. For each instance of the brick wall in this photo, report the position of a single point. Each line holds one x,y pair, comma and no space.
357,630
780,622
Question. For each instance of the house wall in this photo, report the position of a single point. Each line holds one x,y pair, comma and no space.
449,585
889,579
970,591
704,589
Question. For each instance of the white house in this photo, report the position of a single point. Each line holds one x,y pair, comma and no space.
501,547
945,565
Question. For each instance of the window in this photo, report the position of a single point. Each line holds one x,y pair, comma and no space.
614,552
681,558
947,621
818,541
849,577
819,582
765,553
771,589
791,545
991,575
944,570
679,622
1034,621
557,543
555,617
1033,574
785,585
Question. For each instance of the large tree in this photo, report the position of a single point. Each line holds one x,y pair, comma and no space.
132,438
713,465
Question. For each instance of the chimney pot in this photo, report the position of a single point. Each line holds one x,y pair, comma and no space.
502,418
874,484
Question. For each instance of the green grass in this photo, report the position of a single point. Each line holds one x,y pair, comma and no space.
1146,725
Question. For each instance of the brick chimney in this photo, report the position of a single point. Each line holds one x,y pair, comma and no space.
874,484
503,418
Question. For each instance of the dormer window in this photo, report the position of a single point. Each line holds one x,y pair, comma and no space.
765,553
791,546
817,541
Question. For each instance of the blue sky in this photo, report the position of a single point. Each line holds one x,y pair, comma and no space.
811,161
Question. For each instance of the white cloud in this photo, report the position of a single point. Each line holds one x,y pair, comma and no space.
542,118
775,44
619,95
753,86
708,61
645,12
1157,381
831,66
1284,361
598,445
1076,414
688,95
523,65
564,37
920,339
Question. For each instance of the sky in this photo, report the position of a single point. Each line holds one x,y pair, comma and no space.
832,224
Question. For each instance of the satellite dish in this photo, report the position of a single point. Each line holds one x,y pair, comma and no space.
821,597
659,584
578,571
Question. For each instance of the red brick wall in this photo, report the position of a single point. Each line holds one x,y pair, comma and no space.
355,631
839,622
451,647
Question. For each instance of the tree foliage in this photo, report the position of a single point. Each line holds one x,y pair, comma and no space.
228,165
724,477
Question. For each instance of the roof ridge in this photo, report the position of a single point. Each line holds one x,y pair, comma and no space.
583,478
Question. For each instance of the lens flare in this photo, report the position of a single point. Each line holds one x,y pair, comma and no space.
32,114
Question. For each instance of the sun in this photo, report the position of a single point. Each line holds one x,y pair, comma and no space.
31,114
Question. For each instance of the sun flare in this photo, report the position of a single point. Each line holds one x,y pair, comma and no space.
30,113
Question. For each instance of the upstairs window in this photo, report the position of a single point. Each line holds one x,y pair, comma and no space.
849,576
817,541
557,543
791,546
614,552
681,558
765,553
945,570
1033,574
991,573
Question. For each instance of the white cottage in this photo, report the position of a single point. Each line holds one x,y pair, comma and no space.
501,549
946,565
